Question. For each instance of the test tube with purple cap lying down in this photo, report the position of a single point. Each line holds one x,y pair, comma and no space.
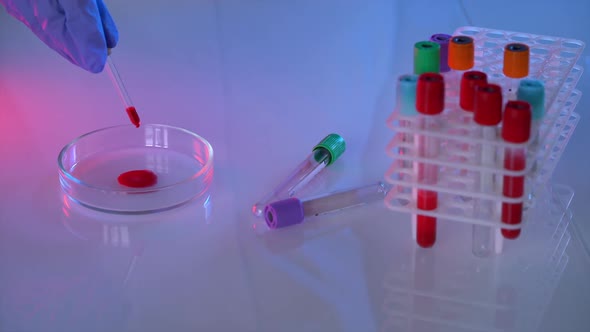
292,211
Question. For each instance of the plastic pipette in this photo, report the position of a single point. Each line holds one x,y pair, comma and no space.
516,128
325,153
487,115
118,83
292,211
430,102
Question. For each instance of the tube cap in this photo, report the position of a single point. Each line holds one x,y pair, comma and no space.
430,94
426,57
443,40
516,60
516,125
407,94
469,82
533,92
335,146
488,105
461,53
284,213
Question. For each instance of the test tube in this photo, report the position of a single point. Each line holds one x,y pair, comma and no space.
292,211
461,57
443,39
487,116
406,98
426,57
516,66
516,128
406,104
430,101
533,92
324,154
469,81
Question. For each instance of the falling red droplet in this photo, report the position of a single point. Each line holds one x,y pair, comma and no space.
138,178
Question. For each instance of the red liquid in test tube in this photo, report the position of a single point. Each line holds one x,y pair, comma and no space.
430,100
516,128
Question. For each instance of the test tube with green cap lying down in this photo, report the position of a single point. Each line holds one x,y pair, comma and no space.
324,154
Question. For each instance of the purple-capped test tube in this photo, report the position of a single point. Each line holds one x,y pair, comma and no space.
292,211
443,40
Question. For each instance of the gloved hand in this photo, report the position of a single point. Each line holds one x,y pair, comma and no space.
80,30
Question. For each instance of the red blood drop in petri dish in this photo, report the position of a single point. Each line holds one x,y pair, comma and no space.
141,178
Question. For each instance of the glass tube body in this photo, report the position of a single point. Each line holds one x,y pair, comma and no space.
482,242
513,187
297,179
340,200
428,147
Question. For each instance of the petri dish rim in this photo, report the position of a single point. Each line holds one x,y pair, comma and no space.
204,169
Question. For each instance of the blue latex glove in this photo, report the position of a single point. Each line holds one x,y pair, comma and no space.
80,30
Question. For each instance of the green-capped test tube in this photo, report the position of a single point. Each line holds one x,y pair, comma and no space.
426,57
323,154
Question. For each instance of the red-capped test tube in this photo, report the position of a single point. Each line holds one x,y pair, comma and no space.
487,116
430,101
469,82
516,129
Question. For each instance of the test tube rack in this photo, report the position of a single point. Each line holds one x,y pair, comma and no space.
506,295
552,61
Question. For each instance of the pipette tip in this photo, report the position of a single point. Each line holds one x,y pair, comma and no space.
133,116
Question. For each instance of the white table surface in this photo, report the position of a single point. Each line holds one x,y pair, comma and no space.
263,81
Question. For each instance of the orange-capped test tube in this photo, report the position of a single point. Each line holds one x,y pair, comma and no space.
461,57
516,65
461,53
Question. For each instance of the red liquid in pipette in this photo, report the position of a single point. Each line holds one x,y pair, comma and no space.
138,178
425,225
513,188
133,116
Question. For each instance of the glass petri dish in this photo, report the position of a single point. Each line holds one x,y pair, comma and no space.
89,168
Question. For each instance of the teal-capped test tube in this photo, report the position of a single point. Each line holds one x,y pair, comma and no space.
323,154
406,104
406,94
409,120
426,57
533,92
